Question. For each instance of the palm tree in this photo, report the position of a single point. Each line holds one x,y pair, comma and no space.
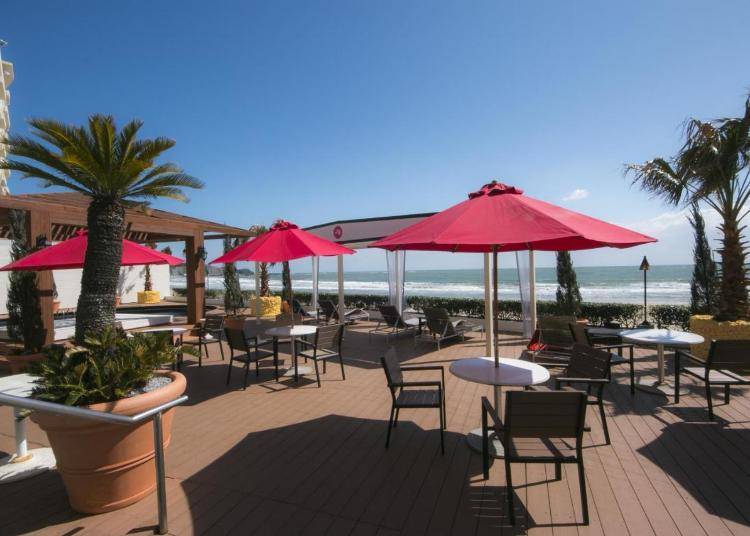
263,277
711,166
114,169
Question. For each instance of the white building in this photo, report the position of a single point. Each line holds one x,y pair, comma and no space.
6,79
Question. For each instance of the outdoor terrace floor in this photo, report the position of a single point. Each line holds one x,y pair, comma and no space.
286,459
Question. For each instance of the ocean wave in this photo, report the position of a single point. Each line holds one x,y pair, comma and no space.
673,292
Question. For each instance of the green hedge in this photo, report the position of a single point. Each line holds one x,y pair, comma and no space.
664,316
599,314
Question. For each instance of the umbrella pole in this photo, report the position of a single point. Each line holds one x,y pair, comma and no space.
488,326
494,305
291,297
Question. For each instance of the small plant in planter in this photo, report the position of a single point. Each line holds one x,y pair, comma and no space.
118,374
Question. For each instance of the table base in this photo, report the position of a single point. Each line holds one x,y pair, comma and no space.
474,439
301,371
39,461
652,386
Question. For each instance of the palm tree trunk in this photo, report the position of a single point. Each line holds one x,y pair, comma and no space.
101,269
733,299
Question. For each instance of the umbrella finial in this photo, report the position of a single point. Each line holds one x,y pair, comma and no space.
283,225
495,188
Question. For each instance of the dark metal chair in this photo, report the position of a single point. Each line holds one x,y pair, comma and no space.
727,363
581,335
326,344
551,341
588,367
211,331
539,427
404,394
240,343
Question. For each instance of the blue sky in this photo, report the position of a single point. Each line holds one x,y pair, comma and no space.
316,111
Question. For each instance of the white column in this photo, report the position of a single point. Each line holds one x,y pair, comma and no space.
22,450
340,262
532,289
257,293
489,335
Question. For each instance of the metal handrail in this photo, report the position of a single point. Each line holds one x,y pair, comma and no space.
154,413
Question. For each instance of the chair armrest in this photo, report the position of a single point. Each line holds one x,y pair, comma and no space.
426,367
684,353
592,381
419,384
552,365
307,343
614,346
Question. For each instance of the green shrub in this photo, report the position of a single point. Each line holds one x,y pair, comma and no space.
670,316
106,368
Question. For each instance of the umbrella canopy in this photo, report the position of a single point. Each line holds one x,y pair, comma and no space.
502,218
70,254
284,241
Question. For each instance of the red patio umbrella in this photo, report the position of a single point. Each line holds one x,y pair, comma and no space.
284,241
500,218
70,254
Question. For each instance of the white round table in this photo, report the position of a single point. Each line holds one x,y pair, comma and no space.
24,463
660,338
511,373
293,332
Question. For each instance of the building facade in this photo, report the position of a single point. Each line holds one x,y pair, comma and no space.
6,79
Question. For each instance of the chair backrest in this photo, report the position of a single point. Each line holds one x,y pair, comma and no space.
438,321
545,414
236,339
554,330
328,308
579,333
731,355
298,308
329,337
392,368
213,323
390,316
285,319
588,362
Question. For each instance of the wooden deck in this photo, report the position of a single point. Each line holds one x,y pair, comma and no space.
286,459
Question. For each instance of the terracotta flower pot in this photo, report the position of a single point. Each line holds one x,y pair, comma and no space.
109,466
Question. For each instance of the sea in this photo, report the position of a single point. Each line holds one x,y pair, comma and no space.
667,284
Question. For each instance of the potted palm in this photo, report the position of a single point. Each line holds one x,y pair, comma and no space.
712,168
126,173
105,466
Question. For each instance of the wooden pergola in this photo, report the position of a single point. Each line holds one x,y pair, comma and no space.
57,216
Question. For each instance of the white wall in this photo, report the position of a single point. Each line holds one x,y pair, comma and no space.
69,282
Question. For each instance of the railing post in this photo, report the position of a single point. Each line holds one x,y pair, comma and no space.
161,484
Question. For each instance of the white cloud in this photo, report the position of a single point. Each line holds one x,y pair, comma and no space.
575,195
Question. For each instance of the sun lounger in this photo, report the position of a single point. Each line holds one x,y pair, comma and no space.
331,312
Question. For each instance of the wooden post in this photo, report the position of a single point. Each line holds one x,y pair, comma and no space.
39,224
196,277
